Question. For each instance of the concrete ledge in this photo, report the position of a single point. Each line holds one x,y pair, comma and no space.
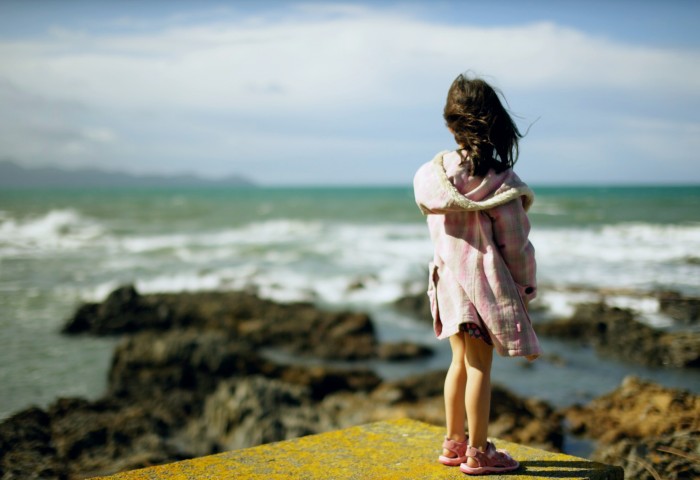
397,449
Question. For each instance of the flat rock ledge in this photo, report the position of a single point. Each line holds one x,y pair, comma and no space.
391,449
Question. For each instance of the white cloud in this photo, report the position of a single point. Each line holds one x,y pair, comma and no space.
620,149
358,55
99,134
85,96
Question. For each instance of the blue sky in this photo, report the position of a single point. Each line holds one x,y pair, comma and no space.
326,93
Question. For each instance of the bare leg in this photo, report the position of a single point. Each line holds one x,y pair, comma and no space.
479,356
455,385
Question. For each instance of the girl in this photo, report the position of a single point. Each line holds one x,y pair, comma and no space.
483,271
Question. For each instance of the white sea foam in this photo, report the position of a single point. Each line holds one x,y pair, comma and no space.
346,263
261,234
184,282
645,305
55,230
561,304
627,255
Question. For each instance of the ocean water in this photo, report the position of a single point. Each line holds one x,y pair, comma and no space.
358,248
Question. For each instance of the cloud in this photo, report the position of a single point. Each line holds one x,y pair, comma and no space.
34,127
350,79
357,55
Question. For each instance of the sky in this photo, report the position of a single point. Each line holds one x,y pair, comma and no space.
348,93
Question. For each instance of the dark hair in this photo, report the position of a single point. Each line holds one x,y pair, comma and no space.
481,126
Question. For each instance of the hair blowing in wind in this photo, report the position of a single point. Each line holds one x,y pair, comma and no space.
481,125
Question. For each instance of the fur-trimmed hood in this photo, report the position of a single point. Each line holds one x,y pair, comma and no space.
436,193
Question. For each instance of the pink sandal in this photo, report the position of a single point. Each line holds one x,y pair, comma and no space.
458,448
489,461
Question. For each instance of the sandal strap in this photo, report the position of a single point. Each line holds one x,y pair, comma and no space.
490,456
458,448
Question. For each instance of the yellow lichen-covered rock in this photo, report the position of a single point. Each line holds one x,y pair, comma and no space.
397,449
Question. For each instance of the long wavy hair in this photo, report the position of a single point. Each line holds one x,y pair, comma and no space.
487,135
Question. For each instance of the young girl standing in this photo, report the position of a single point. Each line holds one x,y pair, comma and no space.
483,271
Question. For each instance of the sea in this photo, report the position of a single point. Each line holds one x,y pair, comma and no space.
341,248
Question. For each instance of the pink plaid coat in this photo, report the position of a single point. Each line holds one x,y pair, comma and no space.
483,269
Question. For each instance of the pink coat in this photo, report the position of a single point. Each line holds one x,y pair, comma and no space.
483,269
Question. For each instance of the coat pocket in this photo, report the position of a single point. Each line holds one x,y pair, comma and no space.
433,278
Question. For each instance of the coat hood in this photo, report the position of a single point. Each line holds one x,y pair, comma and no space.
436,193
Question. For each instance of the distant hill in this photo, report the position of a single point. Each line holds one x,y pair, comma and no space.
17,176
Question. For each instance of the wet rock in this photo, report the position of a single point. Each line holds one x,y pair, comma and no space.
123,311
253,411
323,381
528,421
417,305
300,328
412,388
104,436
327,335
615,332
685,310
26,447
149,364
76,438
401,351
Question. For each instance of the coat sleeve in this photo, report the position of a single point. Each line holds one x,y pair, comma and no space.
511,229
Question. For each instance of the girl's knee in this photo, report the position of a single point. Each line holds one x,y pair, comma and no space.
458,365
458,346
479,355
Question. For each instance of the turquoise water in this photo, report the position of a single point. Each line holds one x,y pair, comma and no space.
58,248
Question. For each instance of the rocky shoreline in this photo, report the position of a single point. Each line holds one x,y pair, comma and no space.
189,377
615,332
648,429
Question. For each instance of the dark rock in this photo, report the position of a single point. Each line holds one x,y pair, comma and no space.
412,388
90,436
123,311
300,328
26,447
615,332
250,412
322,381
416,305
528,421
685,310
327,335
403,351
148,364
